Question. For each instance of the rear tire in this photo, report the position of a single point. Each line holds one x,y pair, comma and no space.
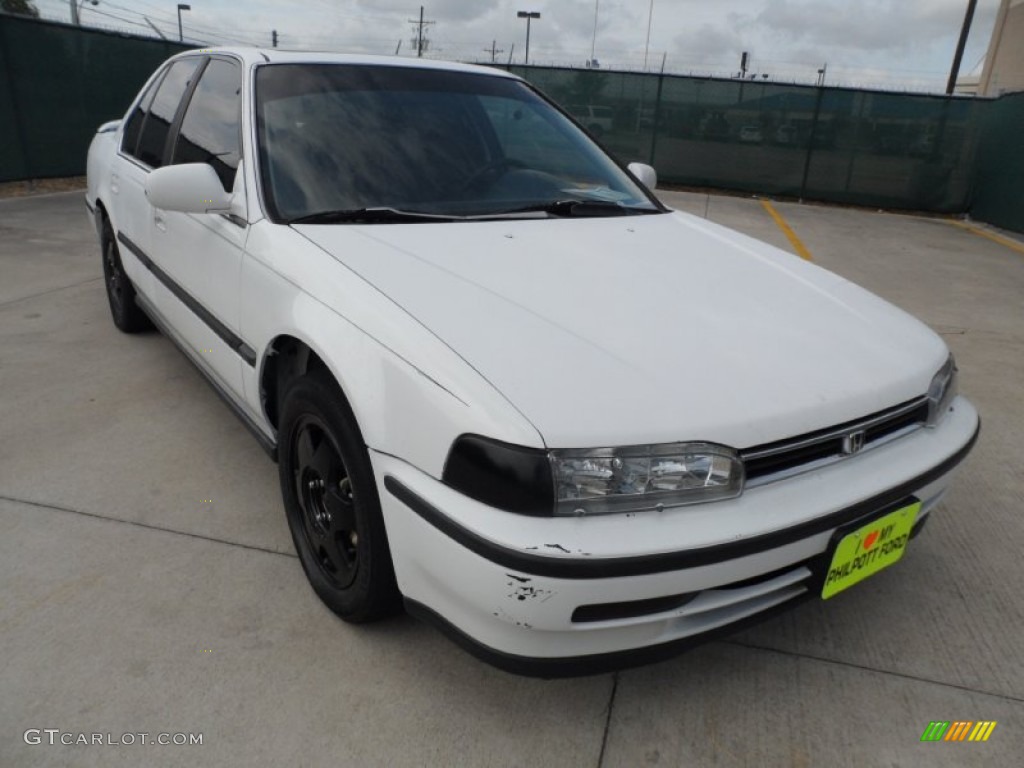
330,497
127,315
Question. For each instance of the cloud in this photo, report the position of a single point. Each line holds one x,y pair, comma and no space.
787,38
863,25
438,10
708,44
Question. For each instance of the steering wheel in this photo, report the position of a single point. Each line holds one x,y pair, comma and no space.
496,168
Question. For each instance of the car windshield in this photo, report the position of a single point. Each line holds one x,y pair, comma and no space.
337,139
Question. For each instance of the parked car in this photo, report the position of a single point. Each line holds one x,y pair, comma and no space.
923,145
714,127
751,134
786,134
597,120
571,427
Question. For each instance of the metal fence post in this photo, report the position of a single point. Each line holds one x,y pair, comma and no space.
656,118
810,141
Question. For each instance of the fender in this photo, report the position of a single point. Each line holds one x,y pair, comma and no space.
411,394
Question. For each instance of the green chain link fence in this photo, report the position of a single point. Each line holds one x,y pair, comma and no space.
999,190
843,145
862,147
58,83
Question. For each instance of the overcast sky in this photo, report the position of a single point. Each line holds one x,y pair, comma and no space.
895,43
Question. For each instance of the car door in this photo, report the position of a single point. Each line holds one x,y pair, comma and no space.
200,254
143,143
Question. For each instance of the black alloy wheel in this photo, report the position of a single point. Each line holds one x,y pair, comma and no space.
324,492
126,314
330,497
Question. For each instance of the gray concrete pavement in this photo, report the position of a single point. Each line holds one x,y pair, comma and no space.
132,604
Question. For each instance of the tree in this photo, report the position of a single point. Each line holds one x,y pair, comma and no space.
20,8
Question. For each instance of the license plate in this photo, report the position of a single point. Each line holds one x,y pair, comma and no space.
869,549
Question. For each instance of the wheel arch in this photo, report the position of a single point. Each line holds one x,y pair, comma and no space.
101,215
285,357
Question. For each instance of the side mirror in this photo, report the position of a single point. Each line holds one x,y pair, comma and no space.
188,188
647,175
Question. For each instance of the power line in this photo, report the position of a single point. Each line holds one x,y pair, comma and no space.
202,30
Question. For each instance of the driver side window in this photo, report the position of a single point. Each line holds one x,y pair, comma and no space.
210,131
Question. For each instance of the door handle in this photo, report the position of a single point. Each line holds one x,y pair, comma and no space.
158,219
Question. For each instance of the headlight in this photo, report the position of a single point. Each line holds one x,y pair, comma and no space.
644,477
941,392
592,482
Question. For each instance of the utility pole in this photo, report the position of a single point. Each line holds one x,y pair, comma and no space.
964,31
744,61
821,74
494,50
273,38
419,41
593,42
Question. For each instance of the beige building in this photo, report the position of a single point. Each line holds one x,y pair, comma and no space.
1004,63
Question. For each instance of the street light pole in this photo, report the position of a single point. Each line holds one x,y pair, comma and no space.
76,10
593,43
182,7
529,16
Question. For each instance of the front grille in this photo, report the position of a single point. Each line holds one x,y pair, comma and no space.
783,458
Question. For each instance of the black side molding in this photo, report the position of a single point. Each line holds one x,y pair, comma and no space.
594,664
269,446
641,565
232,339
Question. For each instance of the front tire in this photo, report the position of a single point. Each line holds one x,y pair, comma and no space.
126,314
331,501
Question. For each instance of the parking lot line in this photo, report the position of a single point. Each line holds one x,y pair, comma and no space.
798,245
1014,245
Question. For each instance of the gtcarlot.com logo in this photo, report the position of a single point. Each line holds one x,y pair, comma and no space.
958,730
55,736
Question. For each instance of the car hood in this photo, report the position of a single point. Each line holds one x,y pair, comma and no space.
645,329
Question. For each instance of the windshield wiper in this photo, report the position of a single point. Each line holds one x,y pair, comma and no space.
580,208
380,215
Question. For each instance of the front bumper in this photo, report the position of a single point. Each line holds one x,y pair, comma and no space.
564,596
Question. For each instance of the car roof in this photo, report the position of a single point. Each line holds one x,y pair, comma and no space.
258,56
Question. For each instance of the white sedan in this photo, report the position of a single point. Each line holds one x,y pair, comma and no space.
572,428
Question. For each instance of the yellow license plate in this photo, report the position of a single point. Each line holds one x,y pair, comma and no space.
869,549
